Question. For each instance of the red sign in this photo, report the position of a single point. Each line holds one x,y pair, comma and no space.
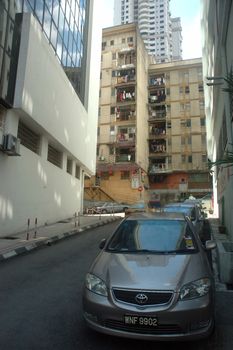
140,188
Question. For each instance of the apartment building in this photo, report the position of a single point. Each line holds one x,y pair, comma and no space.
122,153
49,84
217,30
155,25
151,132
177,132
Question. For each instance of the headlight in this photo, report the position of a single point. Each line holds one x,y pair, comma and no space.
195,289
96,285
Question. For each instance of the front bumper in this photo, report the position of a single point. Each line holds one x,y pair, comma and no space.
182,320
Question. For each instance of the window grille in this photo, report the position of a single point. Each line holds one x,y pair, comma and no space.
77,172
54,156
69,164
28,138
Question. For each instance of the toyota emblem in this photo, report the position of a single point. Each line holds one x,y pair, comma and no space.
141,298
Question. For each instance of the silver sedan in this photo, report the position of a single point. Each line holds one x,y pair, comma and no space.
151,280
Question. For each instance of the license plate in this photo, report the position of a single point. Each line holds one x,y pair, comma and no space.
141,321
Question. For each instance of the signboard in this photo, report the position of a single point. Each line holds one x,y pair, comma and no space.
135,181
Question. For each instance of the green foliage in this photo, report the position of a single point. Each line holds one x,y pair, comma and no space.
226,161
229,80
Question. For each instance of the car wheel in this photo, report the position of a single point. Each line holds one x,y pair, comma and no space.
104,211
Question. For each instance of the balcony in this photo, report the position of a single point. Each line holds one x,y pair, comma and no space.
126,76
126,58
158,96
126,95
157,80
157,148
125,140
125,114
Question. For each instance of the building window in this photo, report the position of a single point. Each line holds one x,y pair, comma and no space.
188,123
112,42
190,159
182,140
201,105
69,166
54,156
123,40
125,175
200,88
202,121
187,89
203,139
104,44
28,138
77,172
204,158
112,110
111,150
130,39
189,140
112,130
113,55
113,93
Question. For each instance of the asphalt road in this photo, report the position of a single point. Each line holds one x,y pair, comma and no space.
40,302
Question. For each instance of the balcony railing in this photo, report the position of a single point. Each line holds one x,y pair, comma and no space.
159,168
157,115
125,158
125,138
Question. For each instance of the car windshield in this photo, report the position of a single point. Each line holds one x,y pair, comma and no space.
153,236
178,209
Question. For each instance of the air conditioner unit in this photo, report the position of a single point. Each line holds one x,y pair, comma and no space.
11,145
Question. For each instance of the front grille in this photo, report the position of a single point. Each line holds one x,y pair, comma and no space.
154,298
159,329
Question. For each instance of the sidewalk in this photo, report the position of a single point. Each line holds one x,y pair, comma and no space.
20,243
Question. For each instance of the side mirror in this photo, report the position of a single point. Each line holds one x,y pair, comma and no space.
102,243
209,245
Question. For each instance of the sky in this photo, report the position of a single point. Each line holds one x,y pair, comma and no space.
188,10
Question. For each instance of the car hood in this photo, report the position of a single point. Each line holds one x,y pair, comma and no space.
148,271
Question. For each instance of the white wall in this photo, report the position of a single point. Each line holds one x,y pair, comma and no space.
31,187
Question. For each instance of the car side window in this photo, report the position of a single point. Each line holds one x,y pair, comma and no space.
193,214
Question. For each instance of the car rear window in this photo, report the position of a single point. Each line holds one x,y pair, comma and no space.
178,209
156,236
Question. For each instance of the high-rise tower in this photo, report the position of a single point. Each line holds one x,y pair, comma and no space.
154,22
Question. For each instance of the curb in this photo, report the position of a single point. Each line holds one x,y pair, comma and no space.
48,241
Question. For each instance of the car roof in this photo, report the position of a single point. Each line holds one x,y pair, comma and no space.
156,216
178,204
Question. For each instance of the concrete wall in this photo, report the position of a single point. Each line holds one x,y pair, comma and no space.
31,187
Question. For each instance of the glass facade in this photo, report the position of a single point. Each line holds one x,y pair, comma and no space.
64,23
